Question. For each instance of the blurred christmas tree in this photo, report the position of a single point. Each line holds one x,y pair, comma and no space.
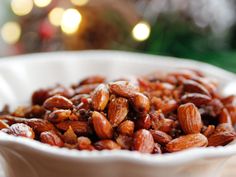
202,30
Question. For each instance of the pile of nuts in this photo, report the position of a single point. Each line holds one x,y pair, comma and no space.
156,113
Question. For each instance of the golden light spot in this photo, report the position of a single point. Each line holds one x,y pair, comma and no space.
55,16
141,31
70,21
42,3
11,32
21,7
79,2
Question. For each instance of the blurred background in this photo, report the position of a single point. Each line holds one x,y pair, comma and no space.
197,29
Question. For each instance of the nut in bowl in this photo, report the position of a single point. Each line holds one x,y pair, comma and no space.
139,125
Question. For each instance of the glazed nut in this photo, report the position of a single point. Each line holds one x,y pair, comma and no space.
107,144
160,137
3,124
187,141
79,127
51,138
143,141
192,86
126,128
143,121
58,102
20,129
224,134
102,126
122,88
196,98
124,141
59,115
92,80
100,97
84,143
140,103
117,110
69,136
189,118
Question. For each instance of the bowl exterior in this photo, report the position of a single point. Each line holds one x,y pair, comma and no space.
21,75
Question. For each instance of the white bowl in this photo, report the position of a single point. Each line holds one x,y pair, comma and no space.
21,75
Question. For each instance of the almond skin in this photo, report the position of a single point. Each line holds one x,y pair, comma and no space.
117,110
196,98
225,117
143,141
189,118
140,103
102,126
126,128
51,138
100,97
187,141
59,102
3,124
20,129
160,137
59,115
122,88
79,127
107,144
224,134
191,86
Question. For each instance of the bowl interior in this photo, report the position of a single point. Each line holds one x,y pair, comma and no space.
21,75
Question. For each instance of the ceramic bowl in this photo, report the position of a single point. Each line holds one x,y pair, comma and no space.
21,75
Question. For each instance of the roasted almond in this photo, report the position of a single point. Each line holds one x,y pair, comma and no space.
160,137
84,143
59,115
196,98
69,136
224,134
3,124
159,122
126,128
191,86
140,102
209,130
92,80
143,121
20,129
51,138
107,144
100,97
169,106
117,110
187,141
124,141
102,126
122,88
189,118
225,117
143,141
86,89
79,127
58,102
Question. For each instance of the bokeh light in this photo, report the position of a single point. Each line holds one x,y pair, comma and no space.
70,21
55,16
141,31
21,7
79,2
42,3
11,32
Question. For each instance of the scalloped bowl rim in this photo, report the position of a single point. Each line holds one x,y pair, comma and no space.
170,159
